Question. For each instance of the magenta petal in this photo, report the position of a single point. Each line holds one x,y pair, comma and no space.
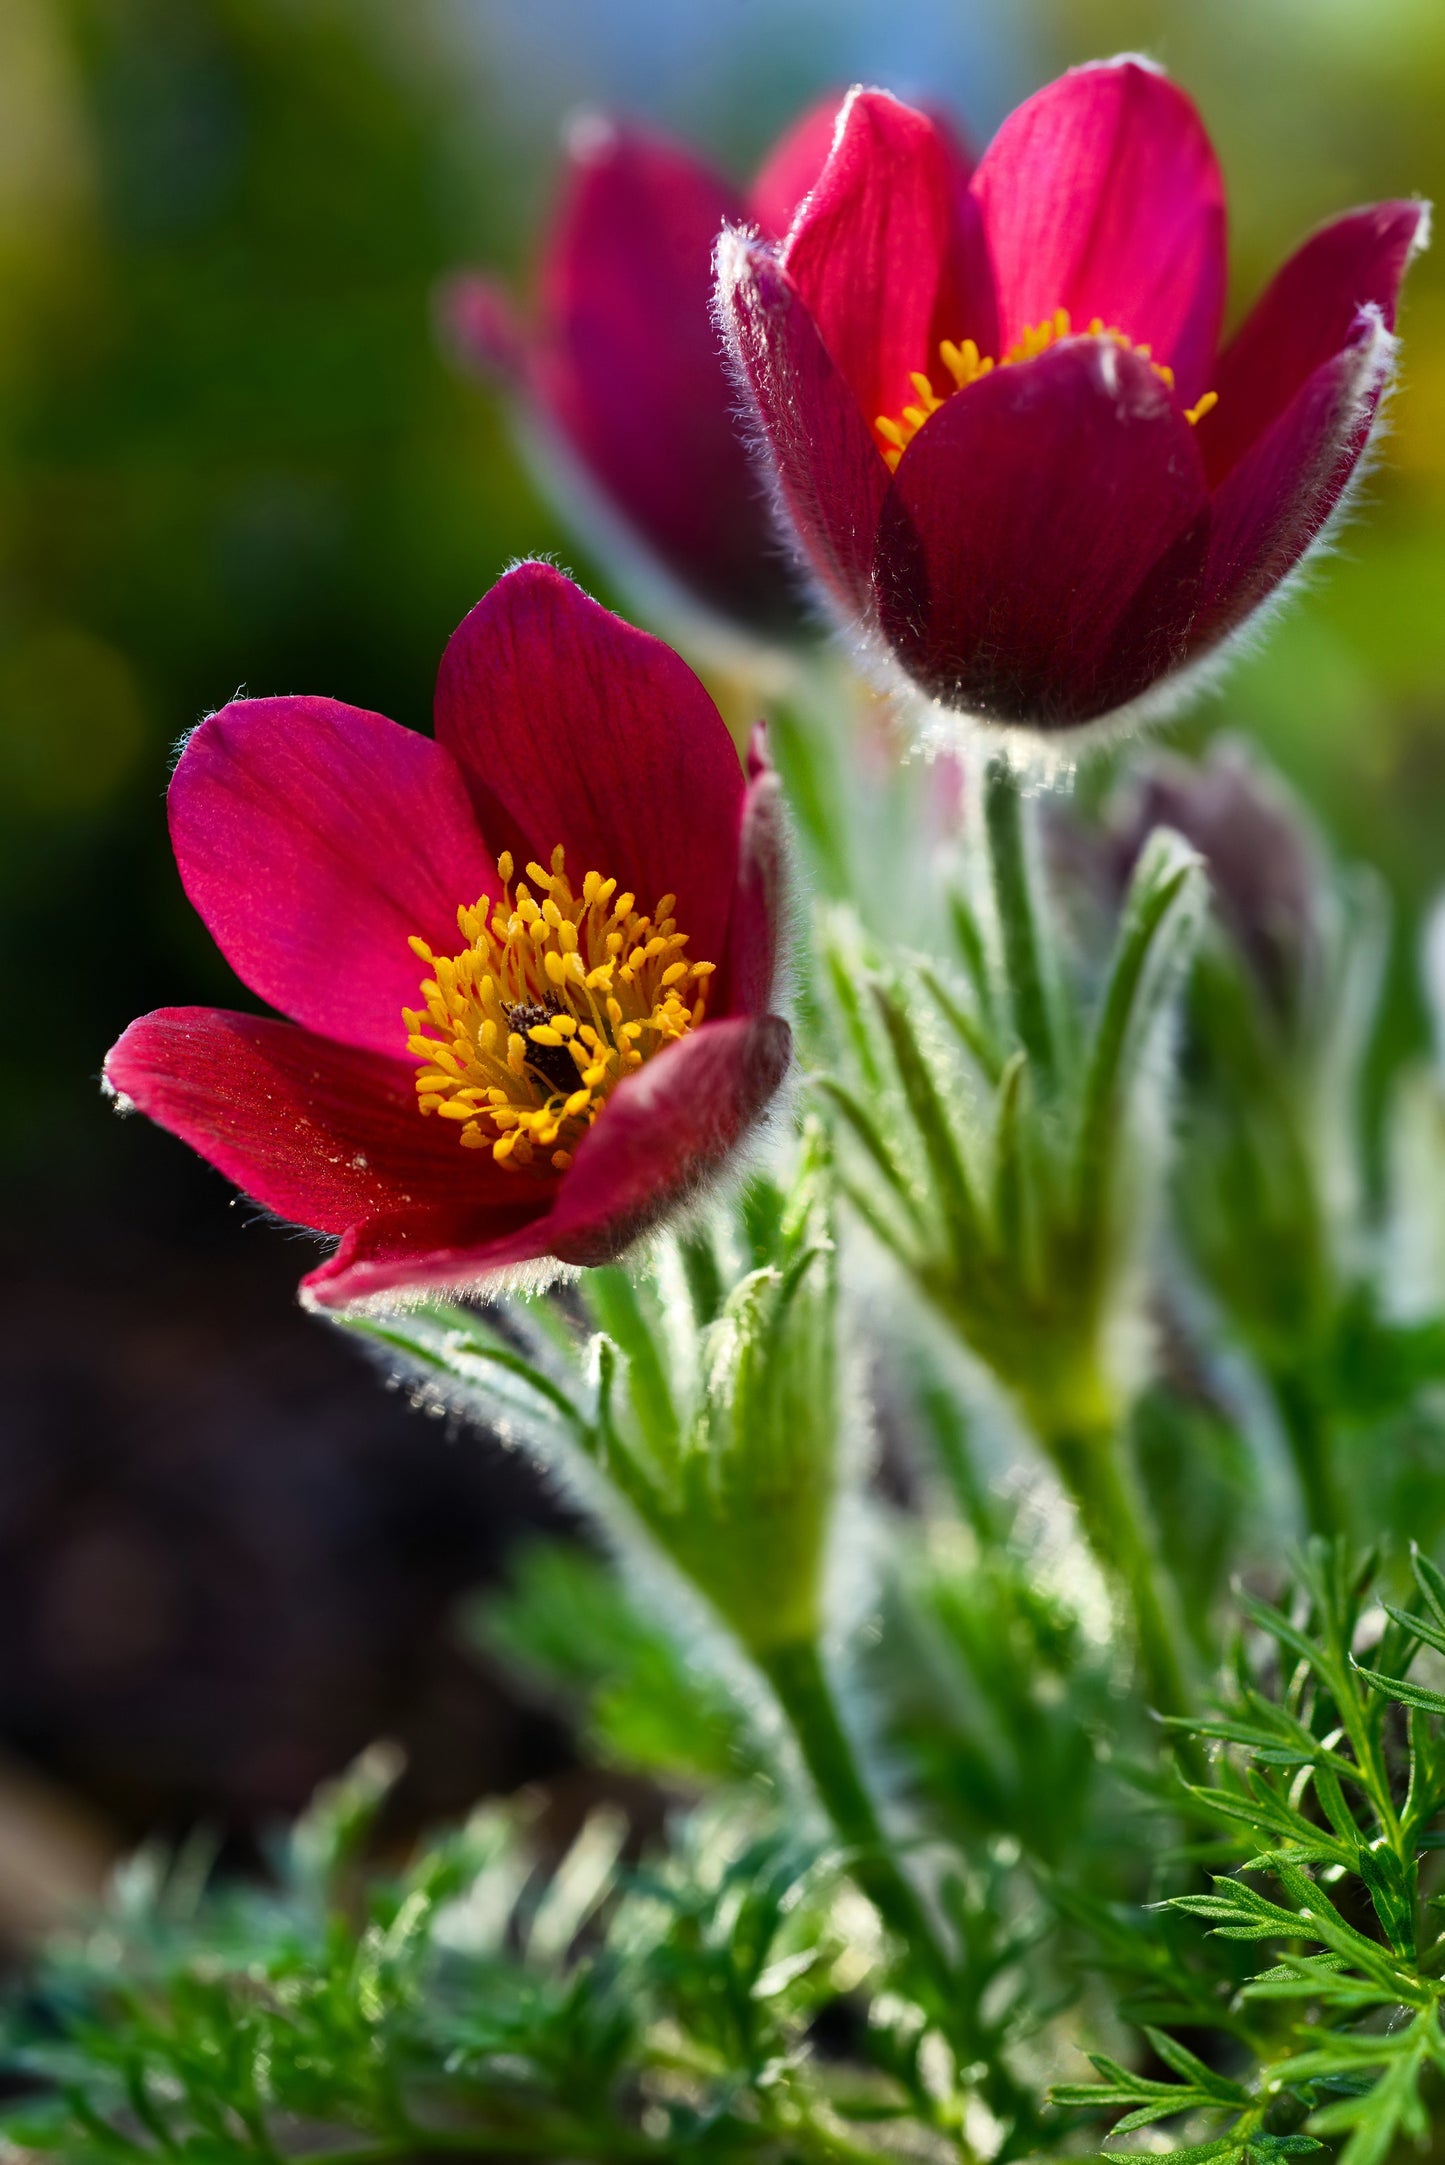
1101,194
1038,551
573,727
877,256
760,903
1277,499
665,1132
628,367
1304,318
323,1134
831,478
791,169
315,839
450,1249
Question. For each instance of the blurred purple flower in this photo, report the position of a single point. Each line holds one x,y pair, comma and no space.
620,367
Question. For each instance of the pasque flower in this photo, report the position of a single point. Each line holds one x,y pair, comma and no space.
620,366
1013,453
527,964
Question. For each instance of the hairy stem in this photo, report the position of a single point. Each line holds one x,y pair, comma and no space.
799,1679
1008,847
1114,1517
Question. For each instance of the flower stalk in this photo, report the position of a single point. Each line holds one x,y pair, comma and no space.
1010,847
799,1677
1114,1520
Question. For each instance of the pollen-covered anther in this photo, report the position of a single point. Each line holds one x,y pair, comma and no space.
963,364
524,1035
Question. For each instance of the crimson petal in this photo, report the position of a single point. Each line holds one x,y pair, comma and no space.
830,473
573,727
314,839
1101,194
662,1134
450,1249
878,258
321,1133
1276,501
1039,548
760,904
665,1132
1305,317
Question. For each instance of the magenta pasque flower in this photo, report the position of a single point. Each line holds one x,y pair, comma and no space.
621,368
1012,451
528,964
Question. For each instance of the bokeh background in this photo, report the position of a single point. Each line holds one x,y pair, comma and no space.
232,455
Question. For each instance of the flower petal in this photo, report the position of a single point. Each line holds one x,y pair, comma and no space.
573,727
315,839
629,369
450,1249
877,254
1101,194
831,478
760,903
1305,316
791,169
663,1134
1038,551
321,1133
1277,499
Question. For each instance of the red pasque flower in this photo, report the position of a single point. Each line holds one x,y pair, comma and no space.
527,964
1013,454
621,367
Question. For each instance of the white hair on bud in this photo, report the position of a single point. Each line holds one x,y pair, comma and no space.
855,637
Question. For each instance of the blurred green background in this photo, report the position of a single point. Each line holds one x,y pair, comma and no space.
231,455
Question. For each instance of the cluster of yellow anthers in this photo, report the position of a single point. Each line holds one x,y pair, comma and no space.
965,364
554,998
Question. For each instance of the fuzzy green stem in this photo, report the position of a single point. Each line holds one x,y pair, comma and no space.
800,1680
1008,847
1306,1426
1114,1518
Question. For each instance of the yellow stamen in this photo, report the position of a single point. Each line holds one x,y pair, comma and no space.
523,1036
964,364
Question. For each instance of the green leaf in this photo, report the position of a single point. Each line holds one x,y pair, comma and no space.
1431,1581
1192,2069
870,1135
1155,945
616,1308
957,1205
1393,1892
1402,1690
972,1035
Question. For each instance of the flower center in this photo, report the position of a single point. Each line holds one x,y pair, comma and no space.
526,1033
965,365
